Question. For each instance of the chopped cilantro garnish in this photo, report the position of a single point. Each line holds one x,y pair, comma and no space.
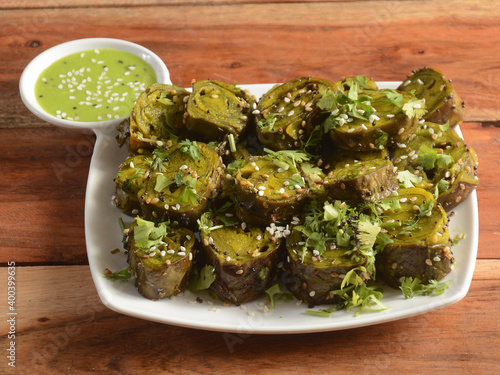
159,158
430,158
266,123
163,99
442,186
191,148
407,179
274,294
162,182
189,194
354,293
206,223
204,279
412,287
148,233
122,275
414,108
235,165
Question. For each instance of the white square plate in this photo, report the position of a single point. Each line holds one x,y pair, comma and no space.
103,234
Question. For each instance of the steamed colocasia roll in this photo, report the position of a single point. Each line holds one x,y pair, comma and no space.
441,100
216,109
288,113
158,114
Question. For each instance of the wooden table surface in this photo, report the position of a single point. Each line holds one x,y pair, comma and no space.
62,326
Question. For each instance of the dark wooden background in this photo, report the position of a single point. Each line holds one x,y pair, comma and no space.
62,327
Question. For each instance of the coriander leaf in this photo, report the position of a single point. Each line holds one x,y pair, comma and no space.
407,179
162,182
382,241
205,222
327,102
213,144
427,157
367,234
274,294
362,81
312,173
444,160
394,97
442,186
390,203
235,165
412,287
191,148
352,277
331,212
163,99
266,123
330,123
414,108
362,297
159,159
148,234
296,180
314,138
425,208
189,194
179,178
296,156
122,275
204,279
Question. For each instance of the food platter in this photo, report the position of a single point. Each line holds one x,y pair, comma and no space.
103,235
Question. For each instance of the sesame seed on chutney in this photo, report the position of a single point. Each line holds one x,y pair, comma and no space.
93,85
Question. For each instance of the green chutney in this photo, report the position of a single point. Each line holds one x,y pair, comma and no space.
93,85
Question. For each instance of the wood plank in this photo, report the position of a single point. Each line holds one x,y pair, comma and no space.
63,327
335,39
29,4
485,141
44,174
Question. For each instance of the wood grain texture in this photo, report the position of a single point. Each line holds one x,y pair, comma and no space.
63,327
44,174
260,43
